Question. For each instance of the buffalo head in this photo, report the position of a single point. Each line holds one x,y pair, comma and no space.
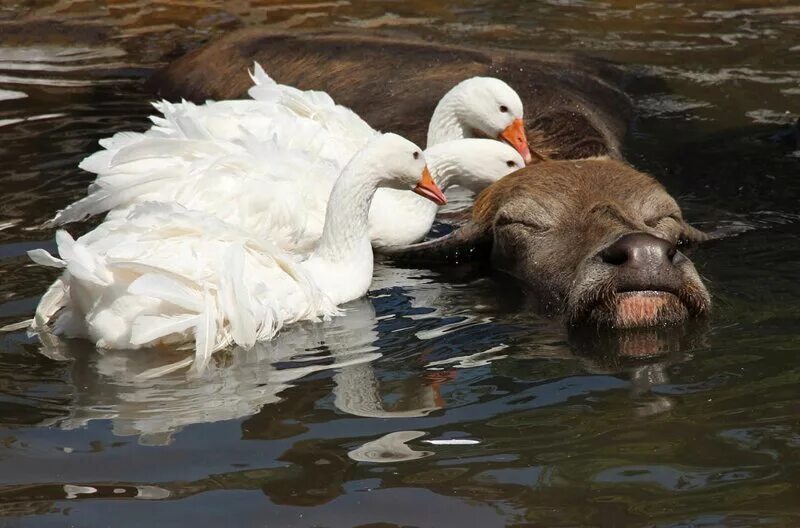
593,239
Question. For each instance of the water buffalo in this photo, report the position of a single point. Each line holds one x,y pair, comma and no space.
587,234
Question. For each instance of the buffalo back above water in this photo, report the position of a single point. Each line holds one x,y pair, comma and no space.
574,106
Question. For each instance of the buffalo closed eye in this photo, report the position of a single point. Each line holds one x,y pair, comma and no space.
654,222
504,220
669,226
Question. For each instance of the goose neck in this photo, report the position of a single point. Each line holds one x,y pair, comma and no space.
445,170
345,232
447,123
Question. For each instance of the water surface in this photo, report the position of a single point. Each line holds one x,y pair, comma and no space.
330,424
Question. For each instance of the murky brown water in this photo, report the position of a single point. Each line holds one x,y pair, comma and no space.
329,425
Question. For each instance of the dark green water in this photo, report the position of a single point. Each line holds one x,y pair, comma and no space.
327,426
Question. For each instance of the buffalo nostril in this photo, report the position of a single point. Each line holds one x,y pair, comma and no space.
614,255
671,252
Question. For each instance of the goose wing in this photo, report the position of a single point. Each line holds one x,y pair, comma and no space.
341,123
265,165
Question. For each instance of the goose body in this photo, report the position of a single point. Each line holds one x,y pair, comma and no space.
234,159
169,275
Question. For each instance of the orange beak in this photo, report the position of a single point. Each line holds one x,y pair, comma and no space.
427,188
514,135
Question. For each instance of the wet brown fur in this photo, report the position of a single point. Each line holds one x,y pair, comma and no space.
587,182
574,107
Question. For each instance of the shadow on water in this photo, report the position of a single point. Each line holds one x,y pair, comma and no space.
332,424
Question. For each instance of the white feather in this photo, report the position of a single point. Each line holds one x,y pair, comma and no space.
205,335
149,328
51,302
20,325
80,262
43,258
236,301
159,148
164,370
168,289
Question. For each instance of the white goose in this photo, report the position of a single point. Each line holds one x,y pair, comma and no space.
476,107
211,156
168,275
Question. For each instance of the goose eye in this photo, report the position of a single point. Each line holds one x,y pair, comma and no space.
416,155
503,108
511,163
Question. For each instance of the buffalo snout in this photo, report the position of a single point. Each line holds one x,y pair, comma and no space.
641,261
640,251
639,279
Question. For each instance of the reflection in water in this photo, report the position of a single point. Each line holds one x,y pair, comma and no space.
7,95
357,392
110,386
389,448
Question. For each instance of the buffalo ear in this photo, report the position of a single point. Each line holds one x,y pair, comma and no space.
694,235
468,243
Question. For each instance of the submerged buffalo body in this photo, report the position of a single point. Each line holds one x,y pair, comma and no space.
587,234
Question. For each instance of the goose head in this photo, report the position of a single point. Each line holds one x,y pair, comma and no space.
480,107
402,166
472,163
